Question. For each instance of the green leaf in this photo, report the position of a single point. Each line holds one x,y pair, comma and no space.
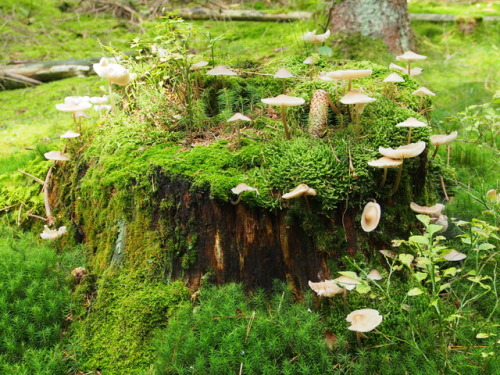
406,259
444,286
453,317
419,239
350,274
433,228
484,335
325,51
363,288
486,246
452,271
466,240
414,292
424,219
420,276
422,262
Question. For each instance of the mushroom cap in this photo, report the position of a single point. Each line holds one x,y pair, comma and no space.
432,210
322,76
349,74
102,107
410,56
394,77
76,99
98,99
240,188
283,73
407,151
327,288
78,272
221,70
423,91
199,65
71,107
101,68
364,320
285,100
371,216
118,75
299,191
454,256
440,220
385,162
308,61
312,37
374,275
56,155
415,71
442,139
238,117
70,134
52,234
397,67
411,122
347,282
355,97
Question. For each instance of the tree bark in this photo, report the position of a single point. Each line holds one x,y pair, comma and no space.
384,19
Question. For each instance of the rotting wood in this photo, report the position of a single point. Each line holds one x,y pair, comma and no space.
199,13
449,17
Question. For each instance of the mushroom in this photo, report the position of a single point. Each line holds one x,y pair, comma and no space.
370,217
308,61
75,108
347,282
435,210
413,72
454,256
364,320
113,72
222,70
70,134
385,163
300,190
360,101
198,65
442,139
410,123
410,56
238,118
493,196
312,37
284,101
56,155
102,107
423,91
283,74
327,288
52,234
98,99
239,189
374,275
349,75
441,220
392,79
402,152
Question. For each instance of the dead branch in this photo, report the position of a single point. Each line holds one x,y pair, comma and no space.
45,189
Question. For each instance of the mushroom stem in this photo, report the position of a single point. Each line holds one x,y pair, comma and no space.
409,135
398,179
48,211
344,299
283,118
358,339
74,120
409,68
384,178
448,149
349,85
435,153
284,85
225,91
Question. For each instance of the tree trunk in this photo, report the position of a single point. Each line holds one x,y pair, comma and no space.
385,19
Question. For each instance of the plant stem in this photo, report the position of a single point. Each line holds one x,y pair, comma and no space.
283,118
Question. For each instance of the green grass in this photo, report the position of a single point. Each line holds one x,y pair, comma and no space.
459,8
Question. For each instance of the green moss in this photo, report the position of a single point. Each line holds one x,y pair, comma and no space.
115,330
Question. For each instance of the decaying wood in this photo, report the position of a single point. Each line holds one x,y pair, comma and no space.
199,13
22,75
449,18
45,189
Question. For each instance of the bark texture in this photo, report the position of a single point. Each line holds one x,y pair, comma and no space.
385,19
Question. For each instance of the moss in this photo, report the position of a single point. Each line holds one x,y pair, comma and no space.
114,331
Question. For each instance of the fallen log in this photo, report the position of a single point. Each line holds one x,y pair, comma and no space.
22,75
449,18
199,13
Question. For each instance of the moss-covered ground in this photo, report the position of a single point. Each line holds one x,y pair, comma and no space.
117,320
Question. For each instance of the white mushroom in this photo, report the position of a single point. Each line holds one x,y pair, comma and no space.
327,288
239,189
374,275
238,118
113,72
435,210
442,139
284,101
283,74
410,123
364,320
300,190
52,234
413,72
371,216
312,37
347,282
359,100
454,256
410,56
56,155
349,75
70,134
385,163
198,65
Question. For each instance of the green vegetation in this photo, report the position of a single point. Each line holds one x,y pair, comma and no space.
34,304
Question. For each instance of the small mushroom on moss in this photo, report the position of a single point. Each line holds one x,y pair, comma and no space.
283,74
385,163
410,56
299,191
75,108
441,220
423,92
374,275
347,282
56,155
222,71
312,37
435,210
402,152
198,65
364,320
392,79
442,139
349,75
413,72
239,189
370,216
359,100
284,101
52,234
410,123
113,72
454,256
238,118
327,288
70,134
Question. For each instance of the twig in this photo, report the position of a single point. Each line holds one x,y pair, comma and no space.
37,217
45,189
30,175
444,188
